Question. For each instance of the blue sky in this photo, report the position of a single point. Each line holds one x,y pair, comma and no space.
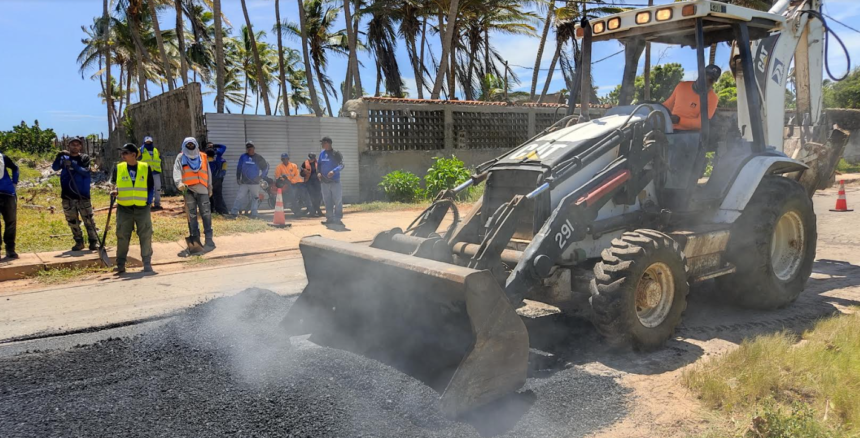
40,41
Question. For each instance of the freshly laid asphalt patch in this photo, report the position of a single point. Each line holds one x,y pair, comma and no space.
225,368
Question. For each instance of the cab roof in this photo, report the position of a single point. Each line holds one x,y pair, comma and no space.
680,29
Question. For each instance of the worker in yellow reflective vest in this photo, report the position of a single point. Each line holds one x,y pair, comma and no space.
133,188
149,155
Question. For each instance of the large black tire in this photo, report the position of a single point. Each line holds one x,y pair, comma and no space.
756,283
624,274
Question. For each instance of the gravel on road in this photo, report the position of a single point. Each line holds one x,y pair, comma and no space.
224,368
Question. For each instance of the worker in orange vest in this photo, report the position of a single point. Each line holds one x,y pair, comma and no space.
287,179
193,176
683,104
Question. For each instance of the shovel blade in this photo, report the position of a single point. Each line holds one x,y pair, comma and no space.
194,245
105,258
449,326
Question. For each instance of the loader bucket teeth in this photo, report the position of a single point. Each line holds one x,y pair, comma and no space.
449,326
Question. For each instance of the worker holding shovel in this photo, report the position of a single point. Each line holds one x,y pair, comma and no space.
193,176
74,170
133,188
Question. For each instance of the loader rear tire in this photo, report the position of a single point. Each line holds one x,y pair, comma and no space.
639,290
772,246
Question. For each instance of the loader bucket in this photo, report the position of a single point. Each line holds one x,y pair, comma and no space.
449,326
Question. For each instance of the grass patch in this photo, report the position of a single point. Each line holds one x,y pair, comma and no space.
846,167
788,385
35,226
64,275
387,206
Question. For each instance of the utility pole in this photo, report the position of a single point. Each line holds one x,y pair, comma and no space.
647,72
506,81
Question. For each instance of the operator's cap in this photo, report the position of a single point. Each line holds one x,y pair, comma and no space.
713,72
130,147
312,156
326,140
249,144
147,139
76,139
285,155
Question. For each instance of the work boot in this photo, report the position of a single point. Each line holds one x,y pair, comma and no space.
79,245
119,269
11,255
209,245
157,208
94,245
147,265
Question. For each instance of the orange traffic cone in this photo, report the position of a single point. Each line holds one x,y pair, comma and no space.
841,202
278,220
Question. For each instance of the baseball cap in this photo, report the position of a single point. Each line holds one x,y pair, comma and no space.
147,139
326,140
130,147
76,139
713,72
249,144
312,156
285,155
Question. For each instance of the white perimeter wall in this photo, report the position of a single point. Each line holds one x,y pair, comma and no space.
274,135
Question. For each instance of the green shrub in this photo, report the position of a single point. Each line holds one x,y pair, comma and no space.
446,173
29,139
772,421
400,186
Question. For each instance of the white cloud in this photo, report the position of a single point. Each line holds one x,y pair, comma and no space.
73,115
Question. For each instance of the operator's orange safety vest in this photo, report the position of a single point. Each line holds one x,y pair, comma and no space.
307,165
201,176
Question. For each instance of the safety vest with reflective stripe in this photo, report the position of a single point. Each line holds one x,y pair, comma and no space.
131,193
307,165
153,160
201,176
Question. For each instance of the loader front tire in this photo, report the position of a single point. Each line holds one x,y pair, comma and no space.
639,290
772,246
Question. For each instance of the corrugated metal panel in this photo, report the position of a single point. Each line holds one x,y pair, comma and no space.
274,135
229,130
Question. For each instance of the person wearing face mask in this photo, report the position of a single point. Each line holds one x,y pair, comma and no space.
149,155
193,176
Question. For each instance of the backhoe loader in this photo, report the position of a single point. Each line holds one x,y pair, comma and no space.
612,212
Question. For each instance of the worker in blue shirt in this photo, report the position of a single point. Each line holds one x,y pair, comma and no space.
330,165
250,170
8,203
215,154
75,181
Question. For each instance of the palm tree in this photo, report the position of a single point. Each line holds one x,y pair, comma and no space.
318,21
447,39
382,40
180,39
220,70
281,73
108,79
165,63
304,35
264,90
352,73
133,11
550,15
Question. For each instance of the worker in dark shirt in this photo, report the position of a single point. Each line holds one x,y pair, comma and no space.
74,170
8,203
133,188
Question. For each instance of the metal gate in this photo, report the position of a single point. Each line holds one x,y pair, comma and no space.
274,135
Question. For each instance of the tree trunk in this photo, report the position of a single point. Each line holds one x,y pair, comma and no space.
452,66
541,45
282,75
549,74
353,58
245,100
107,50
419,81
446,49
378,78
128,88
180,39
311,88
120,82
323,89
261,80
220,70
713,58
165,63
140,54
470,76
278,100
416,68
356,74
632,51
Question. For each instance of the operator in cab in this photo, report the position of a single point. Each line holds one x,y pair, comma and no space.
683,104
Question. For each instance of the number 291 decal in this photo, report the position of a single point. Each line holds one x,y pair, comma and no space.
563,236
